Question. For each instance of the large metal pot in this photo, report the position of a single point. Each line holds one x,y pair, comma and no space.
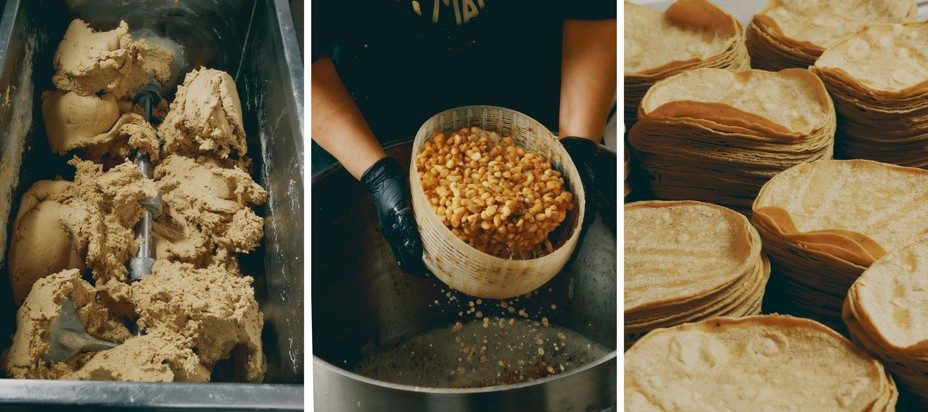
252,40
361,299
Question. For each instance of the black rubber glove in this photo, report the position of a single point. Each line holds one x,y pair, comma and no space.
583,153
388,185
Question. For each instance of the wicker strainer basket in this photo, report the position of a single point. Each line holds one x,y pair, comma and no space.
465,268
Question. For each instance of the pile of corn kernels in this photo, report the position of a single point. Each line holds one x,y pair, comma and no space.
494,195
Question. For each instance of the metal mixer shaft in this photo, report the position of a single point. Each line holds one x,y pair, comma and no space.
140,265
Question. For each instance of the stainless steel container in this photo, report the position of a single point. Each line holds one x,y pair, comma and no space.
361,299
255,42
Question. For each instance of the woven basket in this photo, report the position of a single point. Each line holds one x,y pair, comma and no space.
461,266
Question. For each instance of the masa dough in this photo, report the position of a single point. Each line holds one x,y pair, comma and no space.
154,357
214,306
191,318
71,118
90,62
207,211
93,125
196,308
85,223
205,117
34,317
41,244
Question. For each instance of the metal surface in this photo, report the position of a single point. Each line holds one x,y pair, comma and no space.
25,394
69,336
270,84
141,265
361,299
253,41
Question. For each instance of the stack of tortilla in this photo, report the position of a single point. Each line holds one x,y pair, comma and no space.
794,33
824,223
878,78
688,35
886,313
771,363
686,261
717,136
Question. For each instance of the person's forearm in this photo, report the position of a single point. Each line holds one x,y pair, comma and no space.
588,70
337,124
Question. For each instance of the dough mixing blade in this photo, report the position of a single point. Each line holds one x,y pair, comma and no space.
140,265
68,336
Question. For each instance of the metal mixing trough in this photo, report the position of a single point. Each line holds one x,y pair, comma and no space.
361,300
255,42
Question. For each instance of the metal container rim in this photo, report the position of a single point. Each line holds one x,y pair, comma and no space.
319,362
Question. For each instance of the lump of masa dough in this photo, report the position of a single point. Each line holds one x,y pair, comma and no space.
215,307
33,321
205,117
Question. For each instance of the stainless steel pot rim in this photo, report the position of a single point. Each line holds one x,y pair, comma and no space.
317,361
